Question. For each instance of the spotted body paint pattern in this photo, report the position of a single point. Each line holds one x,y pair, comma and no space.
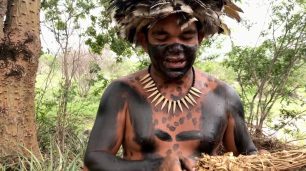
148,134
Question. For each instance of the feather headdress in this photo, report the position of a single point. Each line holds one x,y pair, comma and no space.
133,15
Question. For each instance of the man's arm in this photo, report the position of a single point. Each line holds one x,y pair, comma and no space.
237,138
108,131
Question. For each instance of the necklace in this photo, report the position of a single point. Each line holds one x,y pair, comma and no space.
155,96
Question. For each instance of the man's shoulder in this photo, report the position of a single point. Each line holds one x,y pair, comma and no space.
220,87
134,77
131,81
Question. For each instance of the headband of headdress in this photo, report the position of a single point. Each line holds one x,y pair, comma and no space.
133,15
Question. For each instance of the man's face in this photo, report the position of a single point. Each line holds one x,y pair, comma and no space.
172,50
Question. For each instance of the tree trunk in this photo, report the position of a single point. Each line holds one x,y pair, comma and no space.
19,53
259,126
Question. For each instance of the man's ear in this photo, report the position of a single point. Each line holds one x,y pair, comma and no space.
142,40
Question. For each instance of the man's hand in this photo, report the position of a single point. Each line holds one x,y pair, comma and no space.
177,163
171,163
187,164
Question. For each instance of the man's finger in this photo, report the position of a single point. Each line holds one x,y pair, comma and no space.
171,163
187,164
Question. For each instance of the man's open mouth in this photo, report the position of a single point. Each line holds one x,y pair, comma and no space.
173,63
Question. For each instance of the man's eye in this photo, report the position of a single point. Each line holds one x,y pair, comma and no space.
161,37
187,37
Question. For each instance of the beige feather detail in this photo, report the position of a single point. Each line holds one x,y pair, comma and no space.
142,24
231,13
169,105
191,98
152,89
213,14
201,4
185,103
185,25
233,6
131,15
194,93
160,100
141,11
155,92
188,100
146,80
159,4
165,102
149,84
196,90
156,97
186,9
145,77
207,15
226,30
174,106
180,105
160,12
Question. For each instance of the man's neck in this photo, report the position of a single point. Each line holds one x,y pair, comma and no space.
177,87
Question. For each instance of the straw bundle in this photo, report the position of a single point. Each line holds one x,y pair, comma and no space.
284,160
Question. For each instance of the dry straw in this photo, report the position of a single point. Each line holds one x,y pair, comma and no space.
284,160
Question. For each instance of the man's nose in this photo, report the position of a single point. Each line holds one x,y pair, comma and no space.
175,48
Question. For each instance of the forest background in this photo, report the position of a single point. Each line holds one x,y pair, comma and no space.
263,59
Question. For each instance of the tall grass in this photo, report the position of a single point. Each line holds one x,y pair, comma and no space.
55,160
51,159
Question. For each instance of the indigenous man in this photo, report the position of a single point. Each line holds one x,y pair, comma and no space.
170,113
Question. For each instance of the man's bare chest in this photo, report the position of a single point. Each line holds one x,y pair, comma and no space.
199,129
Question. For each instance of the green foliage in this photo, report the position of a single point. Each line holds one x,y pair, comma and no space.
100,85
63,16
103,33
218,70
60,25
271,71
48,61
55,9
64,19
98,41
81,109
47,104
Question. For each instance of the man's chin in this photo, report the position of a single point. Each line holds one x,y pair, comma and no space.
174,75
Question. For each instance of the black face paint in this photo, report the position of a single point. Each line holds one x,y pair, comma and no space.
172,60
